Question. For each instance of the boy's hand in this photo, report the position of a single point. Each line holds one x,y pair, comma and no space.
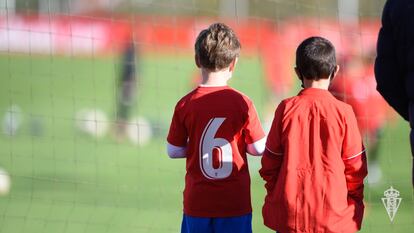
271,164
355,172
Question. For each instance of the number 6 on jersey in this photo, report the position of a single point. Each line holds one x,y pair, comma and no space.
211,146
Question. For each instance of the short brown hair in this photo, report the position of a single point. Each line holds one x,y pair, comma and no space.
217,46
315,58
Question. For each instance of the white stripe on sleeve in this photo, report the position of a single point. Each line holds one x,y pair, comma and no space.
275,153
353,156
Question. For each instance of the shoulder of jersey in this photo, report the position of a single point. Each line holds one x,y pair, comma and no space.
343,107
185,98
289,100
342,104
241,93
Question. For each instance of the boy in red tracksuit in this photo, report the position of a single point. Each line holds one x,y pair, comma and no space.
314,163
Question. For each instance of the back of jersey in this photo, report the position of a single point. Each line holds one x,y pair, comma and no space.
215,124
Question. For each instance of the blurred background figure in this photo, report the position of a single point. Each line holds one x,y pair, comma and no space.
394,65
355,85
126,90
12,120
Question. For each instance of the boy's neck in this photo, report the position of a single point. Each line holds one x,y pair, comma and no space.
215,78
320,84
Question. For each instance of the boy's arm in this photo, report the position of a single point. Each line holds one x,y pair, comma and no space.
355,172
177,136
273,156
271,164
353,155
176,152
257,148
255,136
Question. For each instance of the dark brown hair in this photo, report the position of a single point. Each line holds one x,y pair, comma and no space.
315,58
217,46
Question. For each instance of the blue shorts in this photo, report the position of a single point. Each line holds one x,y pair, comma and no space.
240,224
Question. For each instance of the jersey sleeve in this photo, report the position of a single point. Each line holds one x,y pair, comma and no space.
253,128
353,155
274,139
273,155
352,144
177,134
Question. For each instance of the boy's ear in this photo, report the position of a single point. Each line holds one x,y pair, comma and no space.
233,64
298,73
335,72
300,77
197,61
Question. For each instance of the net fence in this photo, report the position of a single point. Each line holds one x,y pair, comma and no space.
87,91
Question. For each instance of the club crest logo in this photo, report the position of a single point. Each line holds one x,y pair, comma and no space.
391,202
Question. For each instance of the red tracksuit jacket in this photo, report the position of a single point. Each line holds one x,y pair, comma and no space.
314,166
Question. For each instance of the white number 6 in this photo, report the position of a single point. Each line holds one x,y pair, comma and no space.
210,144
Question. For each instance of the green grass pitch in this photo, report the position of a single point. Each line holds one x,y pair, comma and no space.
64,181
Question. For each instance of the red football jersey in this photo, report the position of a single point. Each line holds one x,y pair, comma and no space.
215,124
314,166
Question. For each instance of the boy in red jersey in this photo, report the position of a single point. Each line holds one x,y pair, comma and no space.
314,163
213,127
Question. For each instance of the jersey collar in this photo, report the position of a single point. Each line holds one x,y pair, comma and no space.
315,92
204,85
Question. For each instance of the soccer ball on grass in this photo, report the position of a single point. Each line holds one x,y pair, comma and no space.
92,122
4,182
